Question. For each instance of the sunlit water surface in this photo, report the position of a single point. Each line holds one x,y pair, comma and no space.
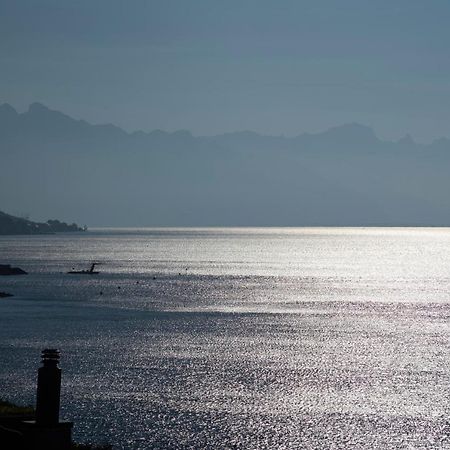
237,338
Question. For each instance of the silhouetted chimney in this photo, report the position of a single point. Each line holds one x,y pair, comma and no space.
46,431
48,389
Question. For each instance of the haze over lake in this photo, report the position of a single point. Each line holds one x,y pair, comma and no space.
101,175
241,338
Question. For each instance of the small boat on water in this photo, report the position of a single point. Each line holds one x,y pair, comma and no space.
91,271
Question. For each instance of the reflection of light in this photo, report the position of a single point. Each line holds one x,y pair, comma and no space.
301,336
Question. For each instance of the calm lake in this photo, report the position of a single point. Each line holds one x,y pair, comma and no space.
252,338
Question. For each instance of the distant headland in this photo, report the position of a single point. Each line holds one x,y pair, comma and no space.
16,225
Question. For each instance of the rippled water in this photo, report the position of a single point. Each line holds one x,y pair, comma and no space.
237,338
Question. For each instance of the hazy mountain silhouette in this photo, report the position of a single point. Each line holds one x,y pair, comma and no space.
102,175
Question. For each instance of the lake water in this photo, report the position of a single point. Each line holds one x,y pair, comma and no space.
321,338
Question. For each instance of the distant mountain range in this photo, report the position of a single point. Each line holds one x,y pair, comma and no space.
102,175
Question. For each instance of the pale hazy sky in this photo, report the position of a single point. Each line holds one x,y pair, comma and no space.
278,67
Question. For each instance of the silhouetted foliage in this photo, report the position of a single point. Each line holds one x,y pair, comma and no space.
16,225
9,409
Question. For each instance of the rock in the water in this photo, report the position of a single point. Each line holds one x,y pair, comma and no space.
6,269
5,294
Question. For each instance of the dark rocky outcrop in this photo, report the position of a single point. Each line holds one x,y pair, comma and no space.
6,269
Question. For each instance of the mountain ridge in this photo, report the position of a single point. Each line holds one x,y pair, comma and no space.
102,175
38,108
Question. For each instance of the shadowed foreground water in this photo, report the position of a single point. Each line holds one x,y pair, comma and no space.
295,338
